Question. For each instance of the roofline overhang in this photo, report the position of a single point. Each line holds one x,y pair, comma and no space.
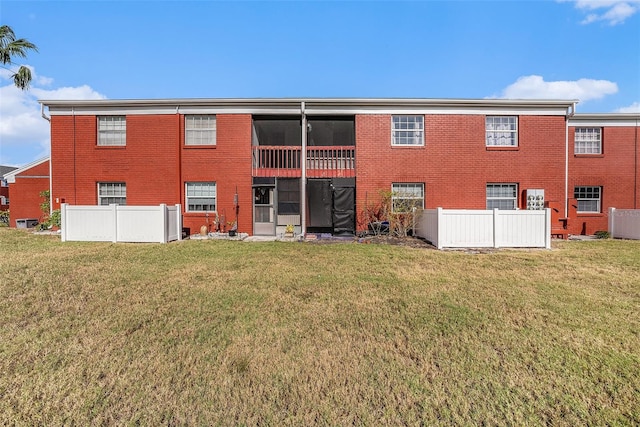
11,176
320,102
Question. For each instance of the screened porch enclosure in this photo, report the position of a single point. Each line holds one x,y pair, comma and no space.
277,146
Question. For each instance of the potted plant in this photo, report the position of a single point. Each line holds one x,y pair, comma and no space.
288,231
233,228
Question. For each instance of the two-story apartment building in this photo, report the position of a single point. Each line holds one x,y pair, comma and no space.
315,163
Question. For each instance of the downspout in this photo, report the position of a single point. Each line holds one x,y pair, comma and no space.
180,143
570,114
635,166
44,116
303,172
75,189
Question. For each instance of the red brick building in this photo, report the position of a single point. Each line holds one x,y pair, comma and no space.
315,163
4,187
25,185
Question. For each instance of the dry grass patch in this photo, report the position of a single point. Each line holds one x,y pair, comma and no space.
230,333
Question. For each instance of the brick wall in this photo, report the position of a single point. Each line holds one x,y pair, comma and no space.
455,165
154,164
614,170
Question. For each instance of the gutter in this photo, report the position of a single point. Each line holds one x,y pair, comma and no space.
44,116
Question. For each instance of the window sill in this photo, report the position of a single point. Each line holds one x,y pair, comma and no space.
110,147
590,214
587,156
189,147
212,214
408,146
502,148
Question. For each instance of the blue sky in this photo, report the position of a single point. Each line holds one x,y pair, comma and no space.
588,50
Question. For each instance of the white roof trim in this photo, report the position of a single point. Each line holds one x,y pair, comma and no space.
11,176
606,120
312,106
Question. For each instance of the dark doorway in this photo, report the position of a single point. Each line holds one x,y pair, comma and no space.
331,206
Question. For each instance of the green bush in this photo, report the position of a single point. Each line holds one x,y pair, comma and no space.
602,234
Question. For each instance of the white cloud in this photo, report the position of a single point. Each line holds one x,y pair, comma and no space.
611,11
24,134
633,108
534,87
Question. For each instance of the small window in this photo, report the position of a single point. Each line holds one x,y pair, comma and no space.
502,196
588,198
112,193
200,196
112,131
406,196
407,130
3,183
4,200
200,130
588,141
502,131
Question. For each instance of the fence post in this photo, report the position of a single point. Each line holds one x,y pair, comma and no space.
114,225
495,227
612,223
63,222
438,228
163,214
179,220
547,228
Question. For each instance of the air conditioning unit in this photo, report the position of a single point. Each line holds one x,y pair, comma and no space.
535,200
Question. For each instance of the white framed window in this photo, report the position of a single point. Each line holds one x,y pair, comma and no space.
588,198
588,141
200,130
502,196
4,201
407,195
200,196
112,131
407,130
502,131
112,193
4,183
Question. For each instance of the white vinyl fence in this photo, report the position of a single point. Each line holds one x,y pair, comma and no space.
624,223
115,223
458,228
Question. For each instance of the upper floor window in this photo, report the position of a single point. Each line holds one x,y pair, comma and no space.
502,196
3,183
112,130
588,198
407,130
502,131
200,130
588,141
200,196
406,196
112,193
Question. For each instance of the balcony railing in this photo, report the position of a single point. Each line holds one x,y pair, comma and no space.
334,161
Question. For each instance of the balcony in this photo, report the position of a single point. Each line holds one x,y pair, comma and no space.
321,162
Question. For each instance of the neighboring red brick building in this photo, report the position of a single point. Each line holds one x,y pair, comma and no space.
246,158
4,187
25,185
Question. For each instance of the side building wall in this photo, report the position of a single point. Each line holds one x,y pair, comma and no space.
25,193
155,164
455,165
615,171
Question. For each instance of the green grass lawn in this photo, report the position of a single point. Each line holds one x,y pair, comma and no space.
233,333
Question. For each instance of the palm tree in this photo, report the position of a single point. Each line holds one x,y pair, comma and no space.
10,47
